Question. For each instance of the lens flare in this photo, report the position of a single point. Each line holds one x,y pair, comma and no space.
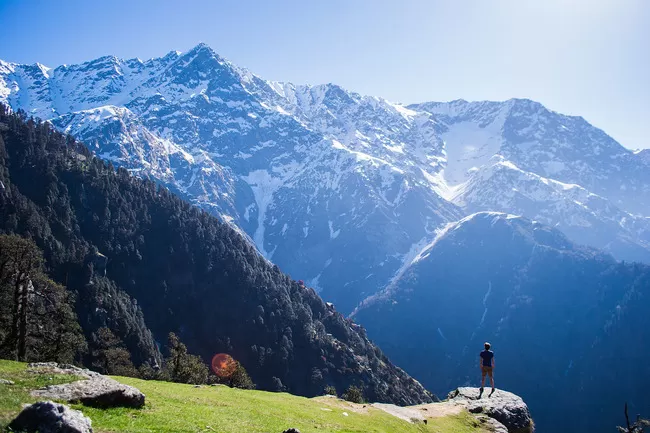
223,365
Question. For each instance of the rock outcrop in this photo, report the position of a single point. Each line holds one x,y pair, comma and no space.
56,368
490,424
50,417
505,407
94,390
6,382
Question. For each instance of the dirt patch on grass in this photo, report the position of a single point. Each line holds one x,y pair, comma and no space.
429,411
438,410
331,402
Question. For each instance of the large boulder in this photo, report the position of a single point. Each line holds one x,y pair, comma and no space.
50,417
97,391
56,368
505,407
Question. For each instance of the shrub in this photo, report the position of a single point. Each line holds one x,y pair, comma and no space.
147,372
183,367
239,379
110,356
353,394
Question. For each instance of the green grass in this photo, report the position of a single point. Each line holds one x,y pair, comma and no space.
13,396
178,408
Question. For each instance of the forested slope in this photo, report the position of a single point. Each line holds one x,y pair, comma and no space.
144,263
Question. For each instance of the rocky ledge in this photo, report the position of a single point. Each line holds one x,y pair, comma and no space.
505,407
500,412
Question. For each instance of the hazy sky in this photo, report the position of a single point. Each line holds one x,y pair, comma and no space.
581,57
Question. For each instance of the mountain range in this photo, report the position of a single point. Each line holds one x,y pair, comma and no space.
566,322
339,189
436,225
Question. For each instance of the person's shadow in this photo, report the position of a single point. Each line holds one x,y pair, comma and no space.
480,394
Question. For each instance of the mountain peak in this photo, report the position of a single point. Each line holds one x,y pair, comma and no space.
525,106
487,225
203,48
207,57
643,154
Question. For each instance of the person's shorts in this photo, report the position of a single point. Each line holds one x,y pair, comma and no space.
486,370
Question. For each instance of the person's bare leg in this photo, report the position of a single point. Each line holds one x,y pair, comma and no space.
492,383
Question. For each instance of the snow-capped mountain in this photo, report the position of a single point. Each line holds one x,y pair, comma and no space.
337,188
644,155
518,157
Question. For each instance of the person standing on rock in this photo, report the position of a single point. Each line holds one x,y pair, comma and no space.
487,367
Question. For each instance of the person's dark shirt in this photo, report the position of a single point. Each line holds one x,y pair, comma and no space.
487,356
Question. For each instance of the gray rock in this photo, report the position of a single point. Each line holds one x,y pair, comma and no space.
50,417
291,430
55,368
491,424
6,382
505,407
97,391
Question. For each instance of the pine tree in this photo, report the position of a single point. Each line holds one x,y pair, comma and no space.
38,322
110,356
181,366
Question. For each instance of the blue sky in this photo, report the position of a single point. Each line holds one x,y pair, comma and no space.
580,57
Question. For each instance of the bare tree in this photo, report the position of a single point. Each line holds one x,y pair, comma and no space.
639,426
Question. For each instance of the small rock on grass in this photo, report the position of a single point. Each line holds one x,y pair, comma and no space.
50,417
6,382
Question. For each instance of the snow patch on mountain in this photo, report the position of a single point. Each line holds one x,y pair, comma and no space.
485,309
264,186
469,147
279,160
333,233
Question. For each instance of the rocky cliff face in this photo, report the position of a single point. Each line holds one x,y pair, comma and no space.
337,188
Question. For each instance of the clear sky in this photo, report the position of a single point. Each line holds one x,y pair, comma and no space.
581,57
